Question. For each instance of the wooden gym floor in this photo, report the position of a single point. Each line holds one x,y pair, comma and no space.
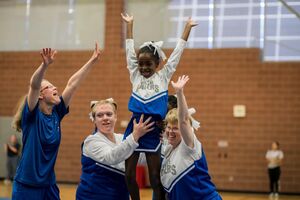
67,192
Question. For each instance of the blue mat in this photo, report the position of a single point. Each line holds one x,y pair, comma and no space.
4,198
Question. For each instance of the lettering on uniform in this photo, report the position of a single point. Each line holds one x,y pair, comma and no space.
168,168
148,85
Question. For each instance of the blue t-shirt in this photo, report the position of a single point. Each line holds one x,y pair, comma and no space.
41,138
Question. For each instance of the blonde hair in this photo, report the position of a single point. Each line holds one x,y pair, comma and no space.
16,123
172,117
101,102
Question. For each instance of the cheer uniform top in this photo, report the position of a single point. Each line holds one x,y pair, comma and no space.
103,167
150,95
184,173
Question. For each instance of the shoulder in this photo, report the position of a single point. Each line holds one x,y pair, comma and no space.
93,137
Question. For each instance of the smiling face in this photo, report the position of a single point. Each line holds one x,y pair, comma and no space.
146,64
173,134
49,93
105,118
172,130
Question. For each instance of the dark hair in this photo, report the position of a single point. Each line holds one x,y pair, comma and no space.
151,50
172,102
277,143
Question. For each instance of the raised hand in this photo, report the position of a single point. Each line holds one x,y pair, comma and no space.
96,54
127,18
48,56
141,128
182,80
191,23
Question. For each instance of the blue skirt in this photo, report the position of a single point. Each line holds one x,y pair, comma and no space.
150,142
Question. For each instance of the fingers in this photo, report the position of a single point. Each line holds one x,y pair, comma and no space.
42,54
96,46
148,120
149,125
141,119
53,54
191,22
144,126
173,84
127,17
151,129
48,52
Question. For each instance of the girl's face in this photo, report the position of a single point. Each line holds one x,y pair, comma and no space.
173,134
274,146
146,64
49,93
105,118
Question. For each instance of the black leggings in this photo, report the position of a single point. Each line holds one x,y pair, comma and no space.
274,174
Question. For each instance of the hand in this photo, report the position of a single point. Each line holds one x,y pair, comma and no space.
142,127
161,136
96,54
191,23
182,80
127,18
48,56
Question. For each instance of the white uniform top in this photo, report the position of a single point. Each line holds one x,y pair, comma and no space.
274,154
99,148
184,173
178,162
146,90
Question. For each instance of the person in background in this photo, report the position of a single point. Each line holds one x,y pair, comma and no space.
12,149
274,158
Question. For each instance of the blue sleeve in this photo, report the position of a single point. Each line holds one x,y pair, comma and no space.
27,115
61,109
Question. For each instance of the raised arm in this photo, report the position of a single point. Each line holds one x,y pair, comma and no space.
131,58
170,67
183,113
129,23
37,77
187,29
76,78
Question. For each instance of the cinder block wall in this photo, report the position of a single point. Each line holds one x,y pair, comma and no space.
220,78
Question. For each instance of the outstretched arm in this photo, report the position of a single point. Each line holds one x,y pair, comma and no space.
76,78
131,59
129,22
37,77
183,114
173,61
188,26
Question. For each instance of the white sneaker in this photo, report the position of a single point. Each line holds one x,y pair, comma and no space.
271,195
7,182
